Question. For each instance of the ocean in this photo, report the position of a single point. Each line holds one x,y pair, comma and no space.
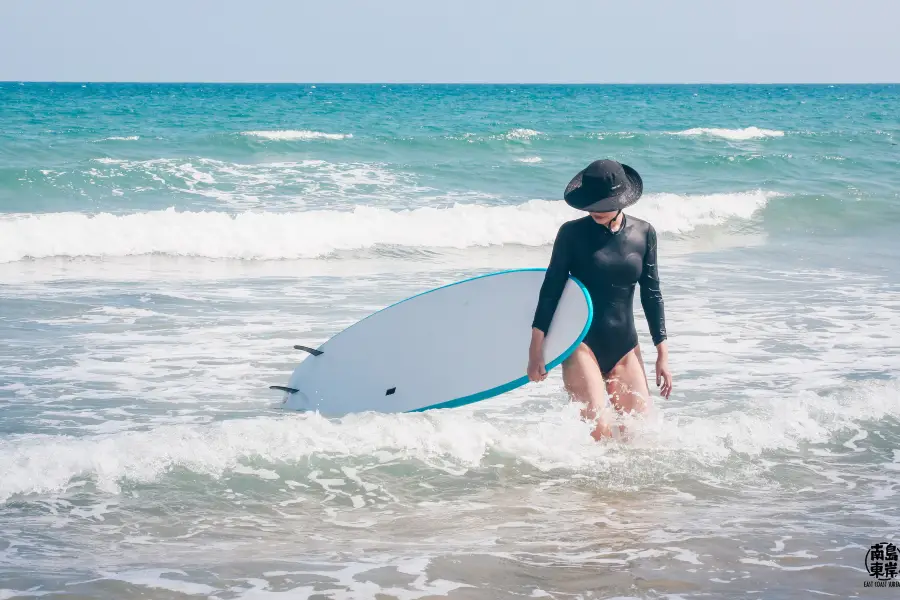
163,247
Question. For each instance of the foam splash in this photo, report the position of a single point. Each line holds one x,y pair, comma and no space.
529,159
312,234
451,441
285,135
521,134
748,133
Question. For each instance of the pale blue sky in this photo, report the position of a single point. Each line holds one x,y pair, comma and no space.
451,41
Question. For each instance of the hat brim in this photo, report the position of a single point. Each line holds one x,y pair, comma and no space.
577,197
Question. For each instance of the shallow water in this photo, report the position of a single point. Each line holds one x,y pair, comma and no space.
144,455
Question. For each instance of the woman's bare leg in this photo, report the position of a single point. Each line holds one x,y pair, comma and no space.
626,384
584,382
637,350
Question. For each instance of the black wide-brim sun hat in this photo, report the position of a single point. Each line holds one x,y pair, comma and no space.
604,186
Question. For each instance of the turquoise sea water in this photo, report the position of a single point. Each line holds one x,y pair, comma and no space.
162,247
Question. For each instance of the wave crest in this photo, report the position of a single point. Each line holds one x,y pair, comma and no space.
120,138
312,234
748,133
289,135
521,134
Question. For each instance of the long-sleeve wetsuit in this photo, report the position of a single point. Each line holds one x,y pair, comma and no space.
609,264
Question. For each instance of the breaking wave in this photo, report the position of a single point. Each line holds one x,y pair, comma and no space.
317,233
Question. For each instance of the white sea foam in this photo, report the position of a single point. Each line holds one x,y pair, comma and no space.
675,213
521,134
272,185
529,159
748,133
115,138
450,441
154,579
309,234
35,592
284,135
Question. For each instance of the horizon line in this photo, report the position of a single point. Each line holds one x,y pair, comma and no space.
518,83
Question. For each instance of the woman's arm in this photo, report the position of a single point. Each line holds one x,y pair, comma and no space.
537,370
651,296
652,302
551,290
554,282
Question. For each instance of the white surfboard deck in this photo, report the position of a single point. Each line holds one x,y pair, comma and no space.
450,346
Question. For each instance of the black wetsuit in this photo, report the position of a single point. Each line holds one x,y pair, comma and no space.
609,264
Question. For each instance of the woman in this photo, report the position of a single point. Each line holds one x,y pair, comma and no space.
609,253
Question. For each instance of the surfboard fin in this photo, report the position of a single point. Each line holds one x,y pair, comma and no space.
289,390
312,351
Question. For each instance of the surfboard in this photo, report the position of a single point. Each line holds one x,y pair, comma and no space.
446,347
